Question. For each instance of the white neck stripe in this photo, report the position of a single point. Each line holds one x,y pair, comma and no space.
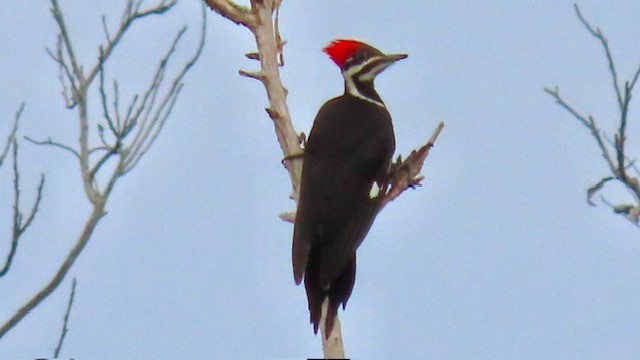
353,90
351,85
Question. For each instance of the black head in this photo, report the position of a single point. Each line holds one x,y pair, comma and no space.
360,64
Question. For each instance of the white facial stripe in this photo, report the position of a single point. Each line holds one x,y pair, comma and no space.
351,86
356,68
371,74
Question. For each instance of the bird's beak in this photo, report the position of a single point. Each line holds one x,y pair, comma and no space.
377,65
394,57
385,61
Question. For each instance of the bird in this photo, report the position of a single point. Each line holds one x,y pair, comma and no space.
345,169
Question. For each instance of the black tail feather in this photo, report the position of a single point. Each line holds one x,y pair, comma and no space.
338,293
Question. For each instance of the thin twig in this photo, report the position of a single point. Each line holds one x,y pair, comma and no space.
597,187
630,163
111,149
634,79
103,96
12,134
105,29
589,122
50,142
147,104
128,20
57,15
65,323
64,75
147,137
116,105
605,44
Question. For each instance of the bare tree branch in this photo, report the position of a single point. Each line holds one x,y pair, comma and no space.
406,174
619,163
94,218
239,14
126,154
262,24
65,323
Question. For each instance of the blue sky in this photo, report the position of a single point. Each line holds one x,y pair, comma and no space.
497,256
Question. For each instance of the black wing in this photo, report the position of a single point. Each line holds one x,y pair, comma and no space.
350,146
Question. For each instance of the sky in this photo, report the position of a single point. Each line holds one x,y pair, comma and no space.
496,256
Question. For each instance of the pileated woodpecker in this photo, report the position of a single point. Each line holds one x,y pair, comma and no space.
346,161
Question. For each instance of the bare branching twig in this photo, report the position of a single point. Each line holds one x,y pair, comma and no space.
20,224
130,134
406,174
614,152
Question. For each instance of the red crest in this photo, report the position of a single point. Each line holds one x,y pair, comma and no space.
339,50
